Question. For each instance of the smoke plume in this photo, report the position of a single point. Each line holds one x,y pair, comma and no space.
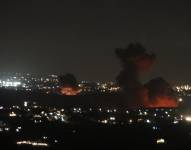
135,60
160,94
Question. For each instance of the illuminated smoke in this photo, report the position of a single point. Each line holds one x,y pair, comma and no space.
135,60
162,101
70,91
69,85
160,94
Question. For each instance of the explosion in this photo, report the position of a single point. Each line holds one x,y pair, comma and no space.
70,91
69,85
160,94
156,93
162,102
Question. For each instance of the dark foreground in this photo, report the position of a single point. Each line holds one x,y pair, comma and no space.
106,137
80,127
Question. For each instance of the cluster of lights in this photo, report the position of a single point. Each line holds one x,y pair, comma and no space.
9,83
107,87
12,114
77,110
53,116
51,82
110,120
26,81
102,110
111,110
104,121
183,88
145,116
148,117
32,143
6,129
18,129
49,114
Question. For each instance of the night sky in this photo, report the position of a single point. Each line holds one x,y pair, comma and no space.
80,37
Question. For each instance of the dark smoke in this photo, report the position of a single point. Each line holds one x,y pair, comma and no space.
159,87
136,60
69,85
68,80
160,93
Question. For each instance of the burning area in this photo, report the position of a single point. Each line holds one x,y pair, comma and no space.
69,85
135,60
160,94
70,91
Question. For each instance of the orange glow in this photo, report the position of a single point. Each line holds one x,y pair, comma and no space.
70,91
163,101
144,63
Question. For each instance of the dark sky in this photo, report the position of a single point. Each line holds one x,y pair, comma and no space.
76,36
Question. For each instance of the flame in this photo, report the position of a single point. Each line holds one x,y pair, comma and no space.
163,101
70,91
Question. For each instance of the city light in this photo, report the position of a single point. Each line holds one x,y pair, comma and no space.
32,143
104,121
188,118
9,83
112,118
148,121
25,104
180,99
12,114
160,141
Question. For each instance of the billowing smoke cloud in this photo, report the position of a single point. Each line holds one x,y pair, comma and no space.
160,94
68,80
136,60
